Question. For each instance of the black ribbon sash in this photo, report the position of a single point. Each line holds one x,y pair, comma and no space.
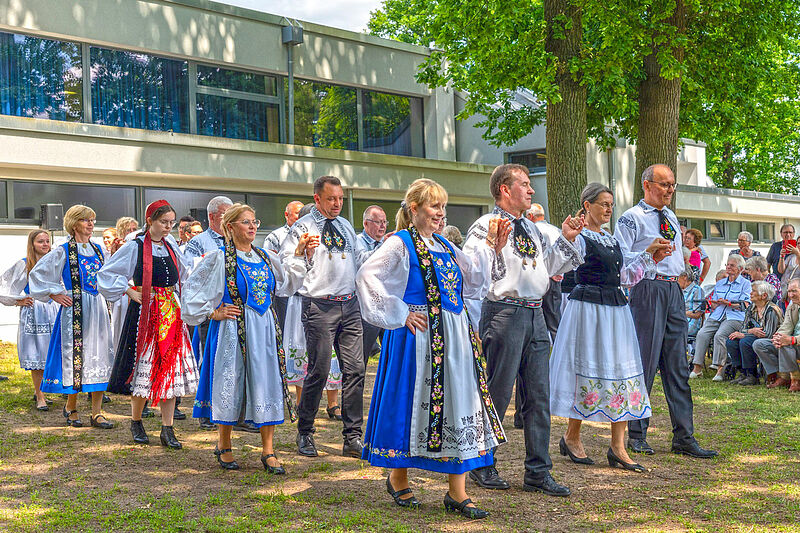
332,238
665,226
241,332
77,310
437,346
523,243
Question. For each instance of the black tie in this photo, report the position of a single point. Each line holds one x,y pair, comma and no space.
523,243
664,226
331,237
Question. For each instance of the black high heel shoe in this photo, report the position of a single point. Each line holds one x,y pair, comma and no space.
613,461
473,513
277,470
74,423
138,432
168,438
332,412
564,449
411,502
227,465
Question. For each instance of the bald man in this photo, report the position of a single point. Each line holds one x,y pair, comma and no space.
274,241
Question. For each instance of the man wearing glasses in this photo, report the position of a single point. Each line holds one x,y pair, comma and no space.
659,312
367,242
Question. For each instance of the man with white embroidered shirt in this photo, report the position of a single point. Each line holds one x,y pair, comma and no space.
367,242
273,242
512,327
331,315
659,312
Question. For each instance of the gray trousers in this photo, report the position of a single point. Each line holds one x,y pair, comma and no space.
516,343
659,315
371,334
330,325
718,331
775,360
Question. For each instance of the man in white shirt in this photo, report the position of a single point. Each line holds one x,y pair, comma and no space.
273,242
659,312
367,242
551,302
331,315
512,327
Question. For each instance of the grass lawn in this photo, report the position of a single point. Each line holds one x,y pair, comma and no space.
55,478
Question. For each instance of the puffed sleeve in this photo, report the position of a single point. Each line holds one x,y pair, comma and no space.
635,268
203,290
288,247
113,277
12,283
289,277
380,284
561,256
185,263
476,269
45,277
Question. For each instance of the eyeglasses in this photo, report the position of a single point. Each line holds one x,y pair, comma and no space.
87,220
606,205
377,222
255,223
666,186
167,223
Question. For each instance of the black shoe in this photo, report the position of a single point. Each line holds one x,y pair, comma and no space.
352,448
106,399
473,513
225,465
564,449
640,446
518,422
41,407
147,412
3,378
332,412
105,424
139,435
168,438
74,423
205,423
305,446
613,461
277,470
178,415
47,401
548,485
488,478
411,502
693,450
246,426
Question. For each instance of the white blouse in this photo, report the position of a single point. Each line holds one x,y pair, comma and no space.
45,277
381,281
12,283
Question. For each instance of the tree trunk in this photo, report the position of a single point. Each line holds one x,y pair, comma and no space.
659,105
726,164
566,118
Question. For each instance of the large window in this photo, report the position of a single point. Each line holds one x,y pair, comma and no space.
40,78
187,202
139,91
392,124
728,230
109,203
325,115
535,160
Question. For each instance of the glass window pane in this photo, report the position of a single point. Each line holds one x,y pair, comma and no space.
752,227
325,115
535,160
139,91
270,208
186,202
219,116
40,78
3,199
733,230
766,231
390,126
716,229
390,207
109,203
236,80
462,216
698,224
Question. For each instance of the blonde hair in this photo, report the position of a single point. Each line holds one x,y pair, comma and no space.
123,225
232,215
112,231
74,214
30,258
422,192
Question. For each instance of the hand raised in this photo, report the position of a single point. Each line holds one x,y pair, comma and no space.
572,227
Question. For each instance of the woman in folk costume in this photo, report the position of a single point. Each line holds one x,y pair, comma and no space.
595,367
154,358
430,406
36,319
81,353
243,373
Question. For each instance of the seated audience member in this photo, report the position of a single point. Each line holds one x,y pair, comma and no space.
761,321
756,266
727,303
779,354
694,300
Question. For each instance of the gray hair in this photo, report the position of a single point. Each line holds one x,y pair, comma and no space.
762,288
787,226
756,262
591,192
795,281
370,208
687,253
215,203
306,210
738,259
453,234
536,210
747,236
689,273
648,173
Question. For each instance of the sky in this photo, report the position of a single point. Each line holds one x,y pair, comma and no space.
348,14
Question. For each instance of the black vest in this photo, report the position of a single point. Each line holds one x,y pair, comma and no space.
598,277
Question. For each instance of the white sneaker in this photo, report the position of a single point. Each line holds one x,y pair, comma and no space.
693,375
717,377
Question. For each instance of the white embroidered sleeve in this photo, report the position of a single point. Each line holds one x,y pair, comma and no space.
381,283
45,277
636,268
12,283
113,277
204,289
288,277
476,269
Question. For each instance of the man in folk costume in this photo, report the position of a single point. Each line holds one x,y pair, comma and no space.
330,315
659,312
512,326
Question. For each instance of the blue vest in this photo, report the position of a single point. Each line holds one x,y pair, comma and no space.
87,266
258,283
448,277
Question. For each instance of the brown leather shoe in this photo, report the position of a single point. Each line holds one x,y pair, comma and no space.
780,382
771,378
795,386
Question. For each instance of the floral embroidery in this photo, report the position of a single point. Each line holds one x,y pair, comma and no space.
612,398
390,453
261,283
87,281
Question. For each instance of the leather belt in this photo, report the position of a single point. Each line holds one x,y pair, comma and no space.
528,303
659,277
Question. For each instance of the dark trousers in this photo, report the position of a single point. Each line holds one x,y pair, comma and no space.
742,353
551,307
330,325
659,315
515,343
371,334
279,303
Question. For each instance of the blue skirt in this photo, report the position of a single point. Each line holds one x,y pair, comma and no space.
53,372
387,435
